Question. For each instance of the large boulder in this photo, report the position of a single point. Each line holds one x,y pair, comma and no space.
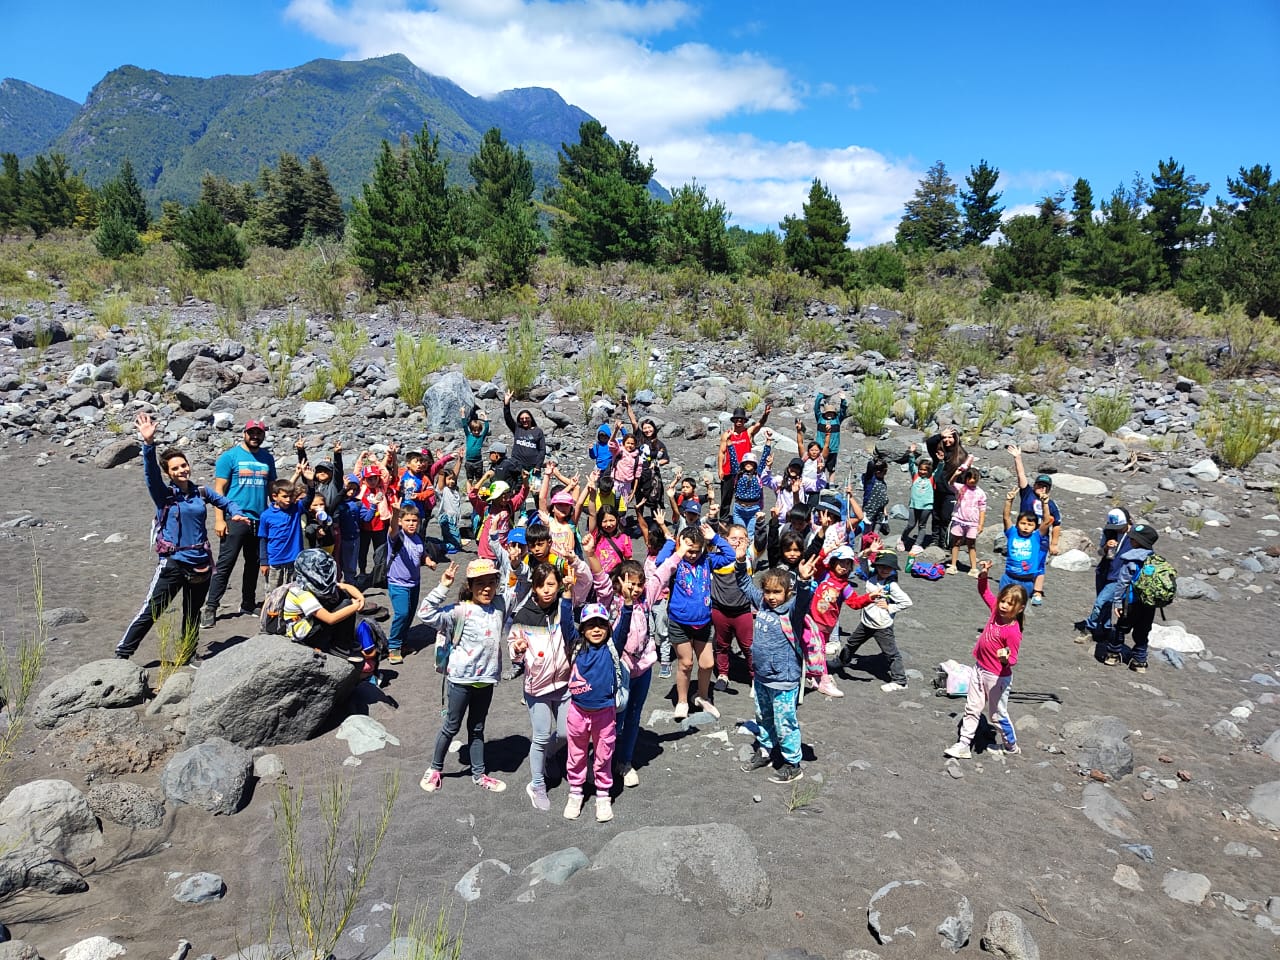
183,352
38,868
265,691
130,804
100,683
52,814
445,398
27,333
213,776
710,864
118,451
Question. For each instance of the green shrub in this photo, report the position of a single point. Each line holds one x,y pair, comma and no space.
523,359
927,402
320,386
887,343
767,334
230,294
481,365
134,374
416,359
1044,416
818,335
637,372
871,405
1110,411
1239,429
348,338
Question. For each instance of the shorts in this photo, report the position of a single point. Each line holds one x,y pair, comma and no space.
969,531
679,633
475,469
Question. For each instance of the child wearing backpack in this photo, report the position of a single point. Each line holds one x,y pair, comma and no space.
834,591
595,690
877,620
317,610
994,655
472,629
1141,586
778,672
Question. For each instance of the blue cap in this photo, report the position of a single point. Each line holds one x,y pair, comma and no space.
691,505
516,535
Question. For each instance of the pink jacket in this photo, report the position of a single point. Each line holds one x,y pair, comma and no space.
996,635
626,465
640,652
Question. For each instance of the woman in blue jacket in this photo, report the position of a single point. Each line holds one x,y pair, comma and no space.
181,541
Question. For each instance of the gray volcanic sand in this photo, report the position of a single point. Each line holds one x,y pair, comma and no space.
1009,835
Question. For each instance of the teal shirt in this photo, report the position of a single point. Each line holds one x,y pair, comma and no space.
475,444
248,475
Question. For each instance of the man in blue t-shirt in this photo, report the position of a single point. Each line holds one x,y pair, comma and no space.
1030,501
244,473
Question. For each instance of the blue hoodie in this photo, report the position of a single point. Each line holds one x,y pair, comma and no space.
775,657
593,680
600,452
690,603
181,518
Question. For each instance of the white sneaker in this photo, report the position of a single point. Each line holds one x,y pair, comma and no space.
828,687
706,705
631,778
680,712
604,810
573,807
833,647
958,751
892,687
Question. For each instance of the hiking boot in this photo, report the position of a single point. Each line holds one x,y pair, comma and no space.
1081,626
538,797
604,810
630,778
892,686
395,656
492,784
706,705
207,618
664,671
573,807
789,773
1135,665
958,751
252,611
1111,659
828,687
680,712
430,781
721,684
758,759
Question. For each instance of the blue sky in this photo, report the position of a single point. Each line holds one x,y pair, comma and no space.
756,98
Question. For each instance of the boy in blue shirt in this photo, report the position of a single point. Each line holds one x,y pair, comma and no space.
280,530
1024,547
1033,502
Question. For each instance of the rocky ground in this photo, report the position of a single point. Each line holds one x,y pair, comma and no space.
1141,820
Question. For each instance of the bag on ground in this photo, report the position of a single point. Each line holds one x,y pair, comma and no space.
952,679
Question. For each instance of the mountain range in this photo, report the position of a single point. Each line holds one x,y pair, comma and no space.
175,129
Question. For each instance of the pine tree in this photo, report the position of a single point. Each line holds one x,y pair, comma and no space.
116,236
375,233
755,253
207,242
121,196
506,222
931,220
1243,262
47,201
10,192
324,216
605,210
694,231
1081,207
236,202
1175,214
1031,253
815,242
981,204
280,217
1116,255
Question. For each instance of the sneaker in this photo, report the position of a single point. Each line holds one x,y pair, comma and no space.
492,784
604,810
630,778
892,686
120,655
1134,665
789,773
832,647
952,569
958,751
680,712
573,807
721,684
1037,599
706,705
1111,659
1012,749
664,671
253,611
758,759
845,656
207,618
430,781
828,687
395,657
450,550
1081,626
538,797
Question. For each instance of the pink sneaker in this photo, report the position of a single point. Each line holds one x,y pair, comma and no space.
492,784
430,781
828,687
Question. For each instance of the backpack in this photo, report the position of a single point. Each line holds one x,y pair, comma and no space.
271,619
621,680
164,547
1157,582
444,646
927,571
373,644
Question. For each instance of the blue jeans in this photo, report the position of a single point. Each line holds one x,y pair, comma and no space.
776,723
449,534
629,721
1027,585
1099,620
746,517
404,601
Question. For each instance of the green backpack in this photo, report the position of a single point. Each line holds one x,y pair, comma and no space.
1157,582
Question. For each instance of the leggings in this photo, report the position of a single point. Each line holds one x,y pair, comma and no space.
474,702
595,728
548,715
729,625
990,691
918,521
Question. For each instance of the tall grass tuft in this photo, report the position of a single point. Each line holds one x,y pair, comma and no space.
927,402
481,365
348,338
20,670
416,359
1110,411
1237,430
521,363
871,405
320,386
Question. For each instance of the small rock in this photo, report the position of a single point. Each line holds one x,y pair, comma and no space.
95,948
956,929
1127,877
1205,470
56,617
468,888
268,768
1226,729
1237,849
1264,802
52,814
1073,561
556,868
1106,811
200,888
1007,937
212,775
364,735
1186,887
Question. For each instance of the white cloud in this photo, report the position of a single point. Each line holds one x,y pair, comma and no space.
597,54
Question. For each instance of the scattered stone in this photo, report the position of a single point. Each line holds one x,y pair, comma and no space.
1271,746
1127,877
117,452
444,399
1264,680
710,864
1205,470
212,776
1226,729
956,929
129,804
1006,936
364,735
172,698
95,948
556,868
317,411
268,768
1174,636
1073,561
100,683
266,691
1142,851
1191,588
1237,849
52,814
875,919
1173,658
1106,811
1264,802
1103,744
112,742
1186,887
18,950
1085,486
38,868
468,888
56,617
859,955
200,888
